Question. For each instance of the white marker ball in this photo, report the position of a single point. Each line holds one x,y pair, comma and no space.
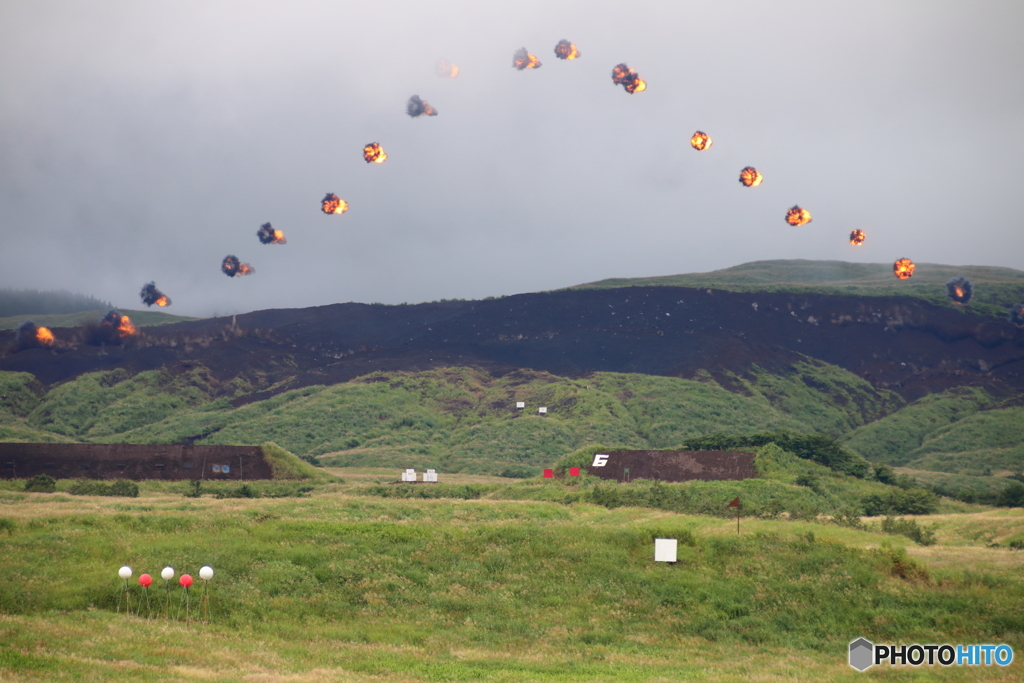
125,572
206,573
167,574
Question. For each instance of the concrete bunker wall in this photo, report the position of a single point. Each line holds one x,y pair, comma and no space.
674,465
132,461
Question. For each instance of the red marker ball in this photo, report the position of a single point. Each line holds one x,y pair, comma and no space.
185,580
145,580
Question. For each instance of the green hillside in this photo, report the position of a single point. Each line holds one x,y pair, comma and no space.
995,289
964,431
139,318
457,419
464,420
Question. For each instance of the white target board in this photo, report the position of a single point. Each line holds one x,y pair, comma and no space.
409,475
520,405
431,475
542,410
665,549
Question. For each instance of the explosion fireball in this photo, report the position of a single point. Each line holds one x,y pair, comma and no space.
903,268
751,178
798,216
151,295
700,141
628,79
268,235
857,238
29,336
119,325
374,153
524,60
959,290
417,107
332,204
446,69
566,50
232,267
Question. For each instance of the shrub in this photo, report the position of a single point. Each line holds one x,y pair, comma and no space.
896,562
41,483
773,509
901,502
909,528
7,524
125,488
195,489
1011,497
849,518
885,475
809,481
517,472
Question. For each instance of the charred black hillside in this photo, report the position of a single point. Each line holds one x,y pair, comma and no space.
903,344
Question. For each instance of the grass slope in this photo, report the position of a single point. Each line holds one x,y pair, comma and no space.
995,289
961,431
346,587
456,419
139,318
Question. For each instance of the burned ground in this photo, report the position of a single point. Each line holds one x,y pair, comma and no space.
903,344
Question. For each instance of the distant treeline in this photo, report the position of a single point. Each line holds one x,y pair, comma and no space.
33,302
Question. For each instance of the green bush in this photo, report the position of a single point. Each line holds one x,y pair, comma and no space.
901,502
41,483
849,518
909,528
518,472
7,524
1012,496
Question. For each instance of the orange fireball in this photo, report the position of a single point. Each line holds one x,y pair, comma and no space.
446,69
903,268
268,235
798,216
374,153
566,50
29,336
332,204
628,79
751,178
857,238
700,141
44,337
522,59
231,266
121,324
151,295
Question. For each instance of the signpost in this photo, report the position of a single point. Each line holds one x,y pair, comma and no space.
736,504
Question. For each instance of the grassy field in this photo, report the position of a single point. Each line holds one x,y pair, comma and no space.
343,585
139,318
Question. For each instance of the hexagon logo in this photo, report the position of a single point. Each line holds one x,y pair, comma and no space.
862,653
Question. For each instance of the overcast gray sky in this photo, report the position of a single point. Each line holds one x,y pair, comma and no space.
147,140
